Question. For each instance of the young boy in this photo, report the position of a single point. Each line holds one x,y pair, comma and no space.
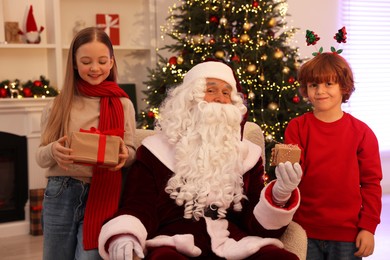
340,188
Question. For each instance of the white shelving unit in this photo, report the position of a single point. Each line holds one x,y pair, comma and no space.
25,62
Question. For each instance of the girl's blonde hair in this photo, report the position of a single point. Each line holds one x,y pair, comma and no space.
327,67
58,122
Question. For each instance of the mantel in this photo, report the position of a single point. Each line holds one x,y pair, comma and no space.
11,105
22,116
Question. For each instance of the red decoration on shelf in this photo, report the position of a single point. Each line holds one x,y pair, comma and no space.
3,92
296,99
110,24
37,83
27,92
32,34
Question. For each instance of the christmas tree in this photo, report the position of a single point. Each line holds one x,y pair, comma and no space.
252,37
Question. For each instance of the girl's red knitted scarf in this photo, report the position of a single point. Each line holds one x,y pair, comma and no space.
105,188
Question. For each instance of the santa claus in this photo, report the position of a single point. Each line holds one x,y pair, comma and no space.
196,189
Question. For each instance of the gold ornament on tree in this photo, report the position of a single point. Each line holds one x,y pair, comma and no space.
286,70
278,54
219,54
272,22
223,21
273,106
244,38
180,60
269,138
251,95
247,26
251,68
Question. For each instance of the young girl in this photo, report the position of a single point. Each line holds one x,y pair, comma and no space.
340,188
79,198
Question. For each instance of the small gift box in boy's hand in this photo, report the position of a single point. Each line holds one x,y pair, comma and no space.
285,152
95,148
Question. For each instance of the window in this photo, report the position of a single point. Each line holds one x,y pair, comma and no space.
368,52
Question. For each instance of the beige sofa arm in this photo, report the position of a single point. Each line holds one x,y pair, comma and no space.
295,240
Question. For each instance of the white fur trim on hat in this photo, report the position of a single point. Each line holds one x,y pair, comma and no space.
211,69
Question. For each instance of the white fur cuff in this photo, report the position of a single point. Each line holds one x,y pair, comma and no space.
273,217
124,224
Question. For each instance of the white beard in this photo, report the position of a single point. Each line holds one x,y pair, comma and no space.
208,167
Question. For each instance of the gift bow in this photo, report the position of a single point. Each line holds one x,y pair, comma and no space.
93,130
110,23
102,140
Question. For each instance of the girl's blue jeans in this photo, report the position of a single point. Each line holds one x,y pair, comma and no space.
62,220
330,250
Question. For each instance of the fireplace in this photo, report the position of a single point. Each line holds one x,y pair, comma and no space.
21,118
13,177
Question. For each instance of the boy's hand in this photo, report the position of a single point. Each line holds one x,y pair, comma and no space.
365,243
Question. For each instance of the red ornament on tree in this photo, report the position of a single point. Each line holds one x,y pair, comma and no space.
27,92
236,58
172,60
234,39
296,99
150,114
255,4
214,19
291,80
3,92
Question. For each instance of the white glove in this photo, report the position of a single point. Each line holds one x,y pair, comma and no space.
122,248
287,180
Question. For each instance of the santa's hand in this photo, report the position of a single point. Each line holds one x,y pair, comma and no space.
287,180
122,248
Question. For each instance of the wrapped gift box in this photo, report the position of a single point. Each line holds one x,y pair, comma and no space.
110,24
285,152
95,148
36,200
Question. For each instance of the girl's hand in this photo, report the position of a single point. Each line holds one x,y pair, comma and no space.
365,243
123,155
61,153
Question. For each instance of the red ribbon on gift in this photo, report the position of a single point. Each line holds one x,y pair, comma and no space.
102,140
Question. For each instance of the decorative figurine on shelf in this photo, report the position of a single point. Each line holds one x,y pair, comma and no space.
32,34
12,32
78,26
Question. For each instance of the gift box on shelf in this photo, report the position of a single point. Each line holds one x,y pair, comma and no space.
93,147
110,24
36,200
285,152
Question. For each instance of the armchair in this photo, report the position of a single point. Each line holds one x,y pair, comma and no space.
294,239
